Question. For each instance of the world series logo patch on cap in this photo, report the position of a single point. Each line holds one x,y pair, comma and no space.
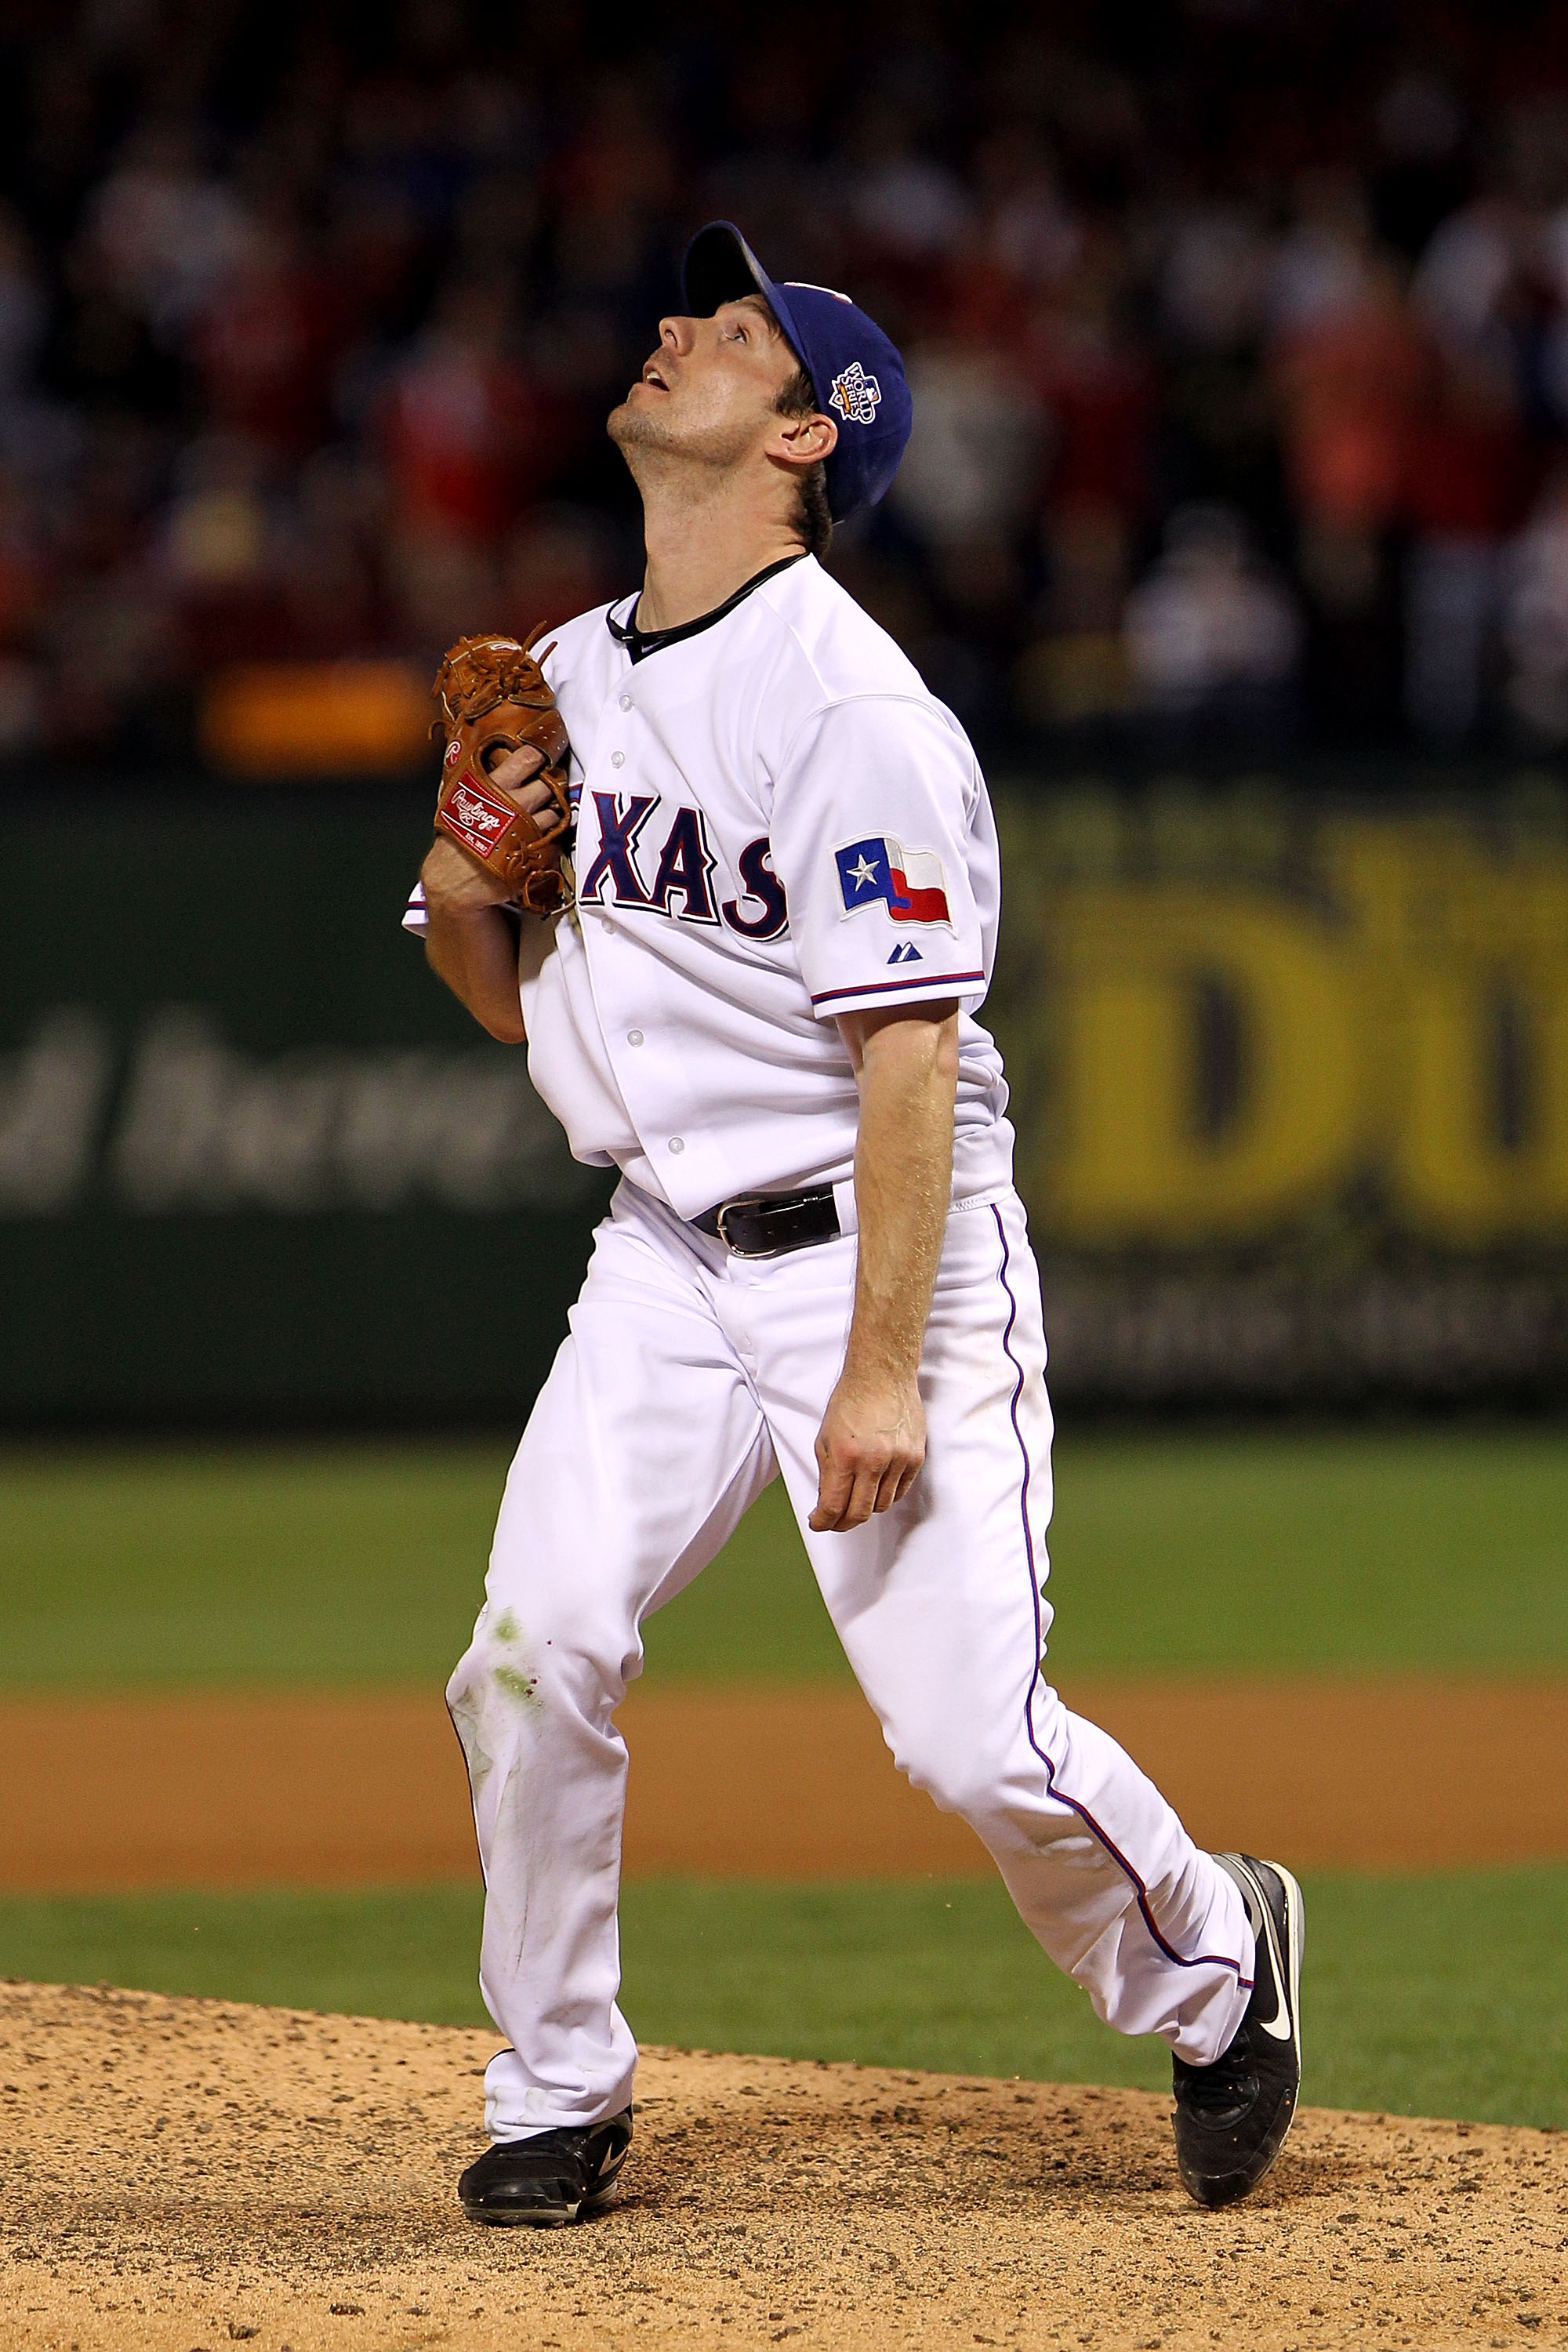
855,395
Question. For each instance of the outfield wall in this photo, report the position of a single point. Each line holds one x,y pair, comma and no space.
254,1164
1290,1078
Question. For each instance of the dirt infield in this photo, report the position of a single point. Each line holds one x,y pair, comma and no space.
184,2174
333,1787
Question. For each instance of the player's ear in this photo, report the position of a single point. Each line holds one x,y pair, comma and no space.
804,440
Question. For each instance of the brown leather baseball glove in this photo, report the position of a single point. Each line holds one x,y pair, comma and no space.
491,698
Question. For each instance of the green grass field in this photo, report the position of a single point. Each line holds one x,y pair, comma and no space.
363,1564
932,1973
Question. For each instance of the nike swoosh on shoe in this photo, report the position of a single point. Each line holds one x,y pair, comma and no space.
1280,2025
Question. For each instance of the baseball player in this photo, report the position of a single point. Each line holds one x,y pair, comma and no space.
761,1009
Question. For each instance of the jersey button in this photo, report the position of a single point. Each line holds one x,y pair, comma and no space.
617,759
634,1036
677,1144
625,702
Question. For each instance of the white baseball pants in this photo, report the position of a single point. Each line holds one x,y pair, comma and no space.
690,1377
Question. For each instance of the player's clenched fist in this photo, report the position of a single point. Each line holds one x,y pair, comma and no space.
493,704
869,1450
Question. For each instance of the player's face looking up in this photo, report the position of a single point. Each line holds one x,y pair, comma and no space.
706,405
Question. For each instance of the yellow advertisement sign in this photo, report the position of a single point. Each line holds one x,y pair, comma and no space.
1222,1033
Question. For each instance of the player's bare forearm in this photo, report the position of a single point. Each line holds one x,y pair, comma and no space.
872,1444
481,947
907,1069
474,948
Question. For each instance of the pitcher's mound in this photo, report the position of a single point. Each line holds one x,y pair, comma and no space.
182,2173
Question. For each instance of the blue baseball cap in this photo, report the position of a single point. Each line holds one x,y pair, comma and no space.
855,374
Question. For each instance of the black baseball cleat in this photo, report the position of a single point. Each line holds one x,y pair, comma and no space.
543,2182
1231,2118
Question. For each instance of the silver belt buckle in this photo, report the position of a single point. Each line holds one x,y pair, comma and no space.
733,1247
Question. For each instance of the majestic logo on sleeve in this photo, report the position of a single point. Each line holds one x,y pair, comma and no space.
855,395
907,884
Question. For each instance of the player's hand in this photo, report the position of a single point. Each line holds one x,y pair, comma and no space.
514,774
459,884
870,1449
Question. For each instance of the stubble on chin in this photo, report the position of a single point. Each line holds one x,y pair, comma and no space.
646,435
634,429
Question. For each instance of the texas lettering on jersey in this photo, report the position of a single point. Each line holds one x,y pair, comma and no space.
683,869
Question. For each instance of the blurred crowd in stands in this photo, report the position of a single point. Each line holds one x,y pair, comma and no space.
1239,332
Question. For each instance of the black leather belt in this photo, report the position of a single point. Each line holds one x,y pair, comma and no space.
770,1225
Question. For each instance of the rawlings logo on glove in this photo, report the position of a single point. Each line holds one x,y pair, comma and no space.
491,698
466,812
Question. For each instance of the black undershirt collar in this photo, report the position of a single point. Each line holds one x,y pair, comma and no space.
640,642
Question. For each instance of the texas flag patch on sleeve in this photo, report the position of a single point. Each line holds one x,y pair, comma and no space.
908,883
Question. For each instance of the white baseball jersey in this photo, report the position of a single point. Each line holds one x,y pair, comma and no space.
776,823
